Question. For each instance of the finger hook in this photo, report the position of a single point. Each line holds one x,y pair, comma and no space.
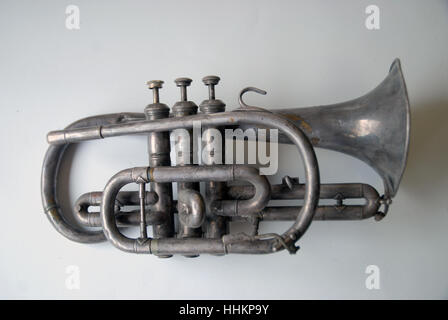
243,105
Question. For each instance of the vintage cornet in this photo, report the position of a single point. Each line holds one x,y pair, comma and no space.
373,128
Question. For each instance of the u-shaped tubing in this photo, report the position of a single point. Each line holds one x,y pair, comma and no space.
260,118
223,173
124,198
179,174
50,178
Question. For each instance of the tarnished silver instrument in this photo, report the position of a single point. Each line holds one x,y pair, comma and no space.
373,128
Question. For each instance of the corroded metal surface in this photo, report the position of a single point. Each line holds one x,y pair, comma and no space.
373,128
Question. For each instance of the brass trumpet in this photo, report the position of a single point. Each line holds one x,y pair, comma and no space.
373,128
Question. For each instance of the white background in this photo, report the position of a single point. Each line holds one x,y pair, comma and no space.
303,53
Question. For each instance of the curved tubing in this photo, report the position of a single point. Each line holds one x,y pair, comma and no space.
191,208
50,173
177,174
243,192
255,203
164,246
327,191
110,228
